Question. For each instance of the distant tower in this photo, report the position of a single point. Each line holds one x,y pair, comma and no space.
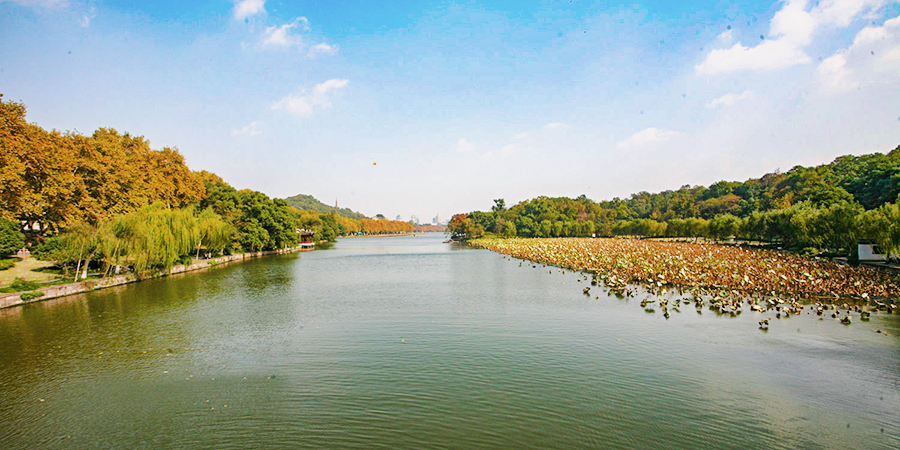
335,203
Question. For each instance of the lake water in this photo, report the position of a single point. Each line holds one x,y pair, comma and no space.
406,342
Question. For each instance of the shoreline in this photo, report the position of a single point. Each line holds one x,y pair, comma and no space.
14,299
388,235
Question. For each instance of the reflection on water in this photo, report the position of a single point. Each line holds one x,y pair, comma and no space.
407,342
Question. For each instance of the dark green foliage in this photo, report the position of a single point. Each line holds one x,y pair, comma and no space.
873,180
11,237
261,222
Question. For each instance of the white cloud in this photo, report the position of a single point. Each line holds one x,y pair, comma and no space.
873,57
464,146
555,126
303,104
647,137
322,49
248,8
298,105
321,89
282,36
769,55
790,32
248,130
521,135
729,99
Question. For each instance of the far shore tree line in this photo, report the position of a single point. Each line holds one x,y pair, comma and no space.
825,209
108,200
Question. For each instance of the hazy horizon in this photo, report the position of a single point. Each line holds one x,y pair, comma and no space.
416,108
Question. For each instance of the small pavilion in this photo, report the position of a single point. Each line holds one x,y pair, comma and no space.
306,238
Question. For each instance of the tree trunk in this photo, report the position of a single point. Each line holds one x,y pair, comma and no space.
108,265
87,262
78,267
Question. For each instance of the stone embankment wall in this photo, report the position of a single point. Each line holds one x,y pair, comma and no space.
15,299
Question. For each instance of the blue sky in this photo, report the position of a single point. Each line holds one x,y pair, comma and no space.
414,107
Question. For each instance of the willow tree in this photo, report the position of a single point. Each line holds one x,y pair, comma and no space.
73,249
882,227
157,237
215,233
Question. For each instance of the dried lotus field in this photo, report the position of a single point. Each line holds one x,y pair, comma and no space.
658,263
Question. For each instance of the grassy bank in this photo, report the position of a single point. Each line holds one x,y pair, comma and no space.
27,268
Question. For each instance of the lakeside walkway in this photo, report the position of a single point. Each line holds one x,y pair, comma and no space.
61,290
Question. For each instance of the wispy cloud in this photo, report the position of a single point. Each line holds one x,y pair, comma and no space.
248,8
91,12
322,49
555,126
54,4
322,89
464,146
729,99
726,37
249,130
648,136
790,32
283,36
303,104
834,76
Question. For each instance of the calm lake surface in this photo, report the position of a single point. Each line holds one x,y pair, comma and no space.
406,342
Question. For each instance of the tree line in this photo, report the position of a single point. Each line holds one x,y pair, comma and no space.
109,201
827,208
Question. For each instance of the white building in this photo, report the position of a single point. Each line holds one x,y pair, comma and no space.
869,252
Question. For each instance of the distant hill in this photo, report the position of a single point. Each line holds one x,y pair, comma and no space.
308,202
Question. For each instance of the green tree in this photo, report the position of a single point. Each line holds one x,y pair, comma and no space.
723,226
509,230
215,233
11,237
882,227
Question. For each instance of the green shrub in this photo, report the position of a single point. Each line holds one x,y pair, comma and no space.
31,295
810,251
11,237
21,285
8,262
186,260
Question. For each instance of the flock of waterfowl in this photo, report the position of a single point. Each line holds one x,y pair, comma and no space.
726,279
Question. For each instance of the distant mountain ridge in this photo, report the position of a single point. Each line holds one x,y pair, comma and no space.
308,202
